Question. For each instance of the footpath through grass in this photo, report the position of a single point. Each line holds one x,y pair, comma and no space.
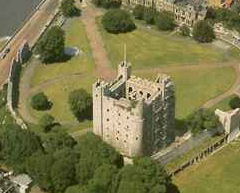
59,79
218,174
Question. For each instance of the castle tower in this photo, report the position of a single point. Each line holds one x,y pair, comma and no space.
97,91
124,68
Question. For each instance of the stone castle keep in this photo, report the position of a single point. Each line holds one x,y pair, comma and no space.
134,115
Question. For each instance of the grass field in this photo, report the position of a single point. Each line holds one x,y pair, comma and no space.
218,174
59,79
151,48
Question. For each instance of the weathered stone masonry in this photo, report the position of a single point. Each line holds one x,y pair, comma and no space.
134,115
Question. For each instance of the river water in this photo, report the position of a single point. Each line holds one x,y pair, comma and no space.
13,13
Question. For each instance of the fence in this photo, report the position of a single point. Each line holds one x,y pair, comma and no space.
210,150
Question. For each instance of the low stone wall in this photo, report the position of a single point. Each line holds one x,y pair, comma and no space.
210,150
13,82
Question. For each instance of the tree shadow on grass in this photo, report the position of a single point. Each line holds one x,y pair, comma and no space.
172,188
180,126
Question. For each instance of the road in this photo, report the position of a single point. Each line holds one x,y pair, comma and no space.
30,32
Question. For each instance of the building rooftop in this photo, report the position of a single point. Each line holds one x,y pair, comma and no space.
22,180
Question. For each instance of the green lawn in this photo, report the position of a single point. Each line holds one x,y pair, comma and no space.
151,48
218,174
195,86
59,79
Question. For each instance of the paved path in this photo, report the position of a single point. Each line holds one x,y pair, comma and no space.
89,15
30,32
232,90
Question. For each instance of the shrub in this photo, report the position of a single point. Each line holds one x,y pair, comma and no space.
40,102
149,15
46,122
107,4
165,21
203,32
51,46
184,30
138,12
234,102
118,21
69,9
81,104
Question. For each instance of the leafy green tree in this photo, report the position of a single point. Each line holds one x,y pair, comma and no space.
17,145
40,102
57,140
149,15
93,154
51,45
80,104
39,167
69,9
203,32
118,21
145,176
107,4
184,30
138,12
102,179
165,21
46,122
201,120
234,102
62,174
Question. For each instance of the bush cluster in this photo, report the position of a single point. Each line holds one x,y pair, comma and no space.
107,4
118,21
40,102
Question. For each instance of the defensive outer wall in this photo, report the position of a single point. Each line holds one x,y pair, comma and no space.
21,57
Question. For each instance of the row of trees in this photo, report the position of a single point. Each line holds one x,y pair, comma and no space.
69,9
164,20
120,21
58,163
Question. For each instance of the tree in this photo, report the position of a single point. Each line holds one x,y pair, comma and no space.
102,179
51,45
57,140
69,9
149,15
39,167
118,21
184,30
62,174
145,176
93,154
107,4
18,145
46,122
165,21
80,104
40,102
138,12
234,102
203,32
200,120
